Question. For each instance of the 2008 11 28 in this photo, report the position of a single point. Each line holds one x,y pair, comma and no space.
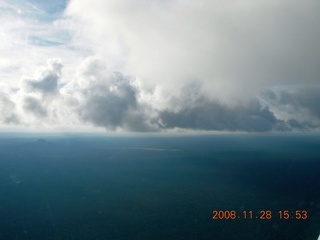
262,214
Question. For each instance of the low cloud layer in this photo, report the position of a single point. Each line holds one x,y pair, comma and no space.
206,115
299,106
106,99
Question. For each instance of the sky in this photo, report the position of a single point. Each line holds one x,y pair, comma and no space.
160,65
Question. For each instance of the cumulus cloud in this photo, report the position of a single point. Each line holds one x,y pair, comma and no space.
234,48
37,102
106,98
45,80
103,98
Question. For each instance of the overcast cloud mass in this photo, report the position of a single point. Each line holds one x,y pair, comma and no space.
111,65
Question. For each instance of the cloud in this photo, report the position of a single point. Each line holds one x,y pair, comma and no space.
107,98
307,98
34,106
30,34
7,114
37,103
38,99
201,113
299,106
206,65
45,80
234,48
100,97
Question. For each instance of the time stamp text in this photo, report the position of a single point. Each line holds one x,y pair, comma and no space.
259,215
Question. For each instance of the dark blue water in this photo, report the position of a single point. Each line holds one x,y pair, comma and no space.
80,187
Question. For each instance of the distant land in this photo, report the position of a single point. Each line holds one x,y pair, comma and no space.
227,186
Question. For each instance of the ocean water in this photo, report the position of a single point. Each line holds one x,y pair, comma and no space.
156,187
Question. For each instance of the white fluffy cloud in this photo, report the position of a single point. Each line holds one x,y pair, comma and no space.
29,35
235,48
45,80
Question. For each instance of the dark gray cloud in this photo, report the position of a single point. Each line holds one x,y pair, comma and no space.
307,98
189,108
299,106
303,125
213,115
